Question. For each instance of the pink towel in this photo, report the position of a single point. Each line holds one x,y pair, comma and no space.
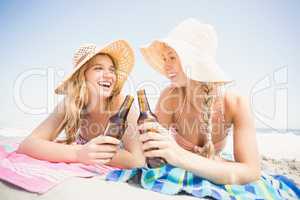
38,175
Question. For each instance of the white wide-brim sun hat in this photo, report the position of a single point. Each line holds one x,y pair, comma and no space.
119,50
195,43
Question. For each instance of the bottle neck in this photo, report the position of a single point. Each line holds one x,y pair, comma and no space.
143,102
125,107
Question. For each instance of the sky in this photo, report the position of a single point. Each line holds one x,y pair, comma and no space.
258,46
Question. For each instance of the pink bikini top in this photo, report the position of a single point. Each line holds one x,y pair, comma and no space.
218,145
187,145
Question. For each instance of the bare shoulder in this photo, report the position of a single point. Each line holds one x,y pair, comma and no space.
235,101
166,105
238,108
60,109
169,97
169,91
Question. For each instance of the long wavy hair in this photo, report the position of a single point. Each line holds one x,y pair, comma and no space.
77,98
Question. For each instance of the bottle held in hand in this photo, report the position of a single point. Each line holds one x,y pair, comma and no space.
117,123
146,115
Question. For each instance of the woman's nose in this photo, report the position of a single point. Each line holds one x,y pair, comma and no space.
107,73
168,66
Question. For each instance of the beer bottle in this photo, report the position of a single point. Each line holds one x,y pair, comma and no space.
117,123
146,115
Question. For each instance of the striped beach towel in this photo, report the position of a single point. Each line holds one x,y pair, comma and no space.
39,176
172,180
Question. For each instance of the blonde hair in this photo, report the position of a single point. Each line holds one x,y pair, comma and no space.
77,97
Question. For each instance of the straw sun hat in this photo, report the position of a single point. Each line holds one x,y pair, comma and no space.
119,50
195,43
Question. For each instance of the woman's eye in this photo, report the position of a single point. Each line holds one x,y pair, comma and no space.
173,58
98,68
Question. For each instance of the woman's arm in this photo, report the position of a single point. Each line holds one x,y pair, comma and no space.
39,144
246,167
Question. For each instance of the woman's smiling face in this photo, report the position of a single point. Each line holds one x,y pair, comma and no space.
101,76
172,66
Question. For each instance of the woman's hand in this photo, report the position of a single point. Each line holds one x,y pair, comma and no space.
160,143
99,150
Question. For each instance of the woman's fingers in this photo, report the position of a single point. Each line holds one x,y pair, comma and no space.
105,140
154,126
104,148
151,136
155,153
153,144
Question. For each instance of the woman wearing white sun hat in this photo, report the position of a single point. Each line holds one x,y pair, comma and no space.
197,111
92,95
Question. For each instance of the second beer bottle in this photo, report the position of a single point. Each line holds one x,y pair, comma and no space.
117,123
147,116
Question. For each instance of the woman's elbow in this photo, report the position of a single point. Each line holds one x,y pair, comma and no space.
22,147
25,146
251,175
256,174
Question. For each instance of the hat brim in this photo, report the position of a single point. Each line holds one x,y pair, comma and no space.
206,70
123,56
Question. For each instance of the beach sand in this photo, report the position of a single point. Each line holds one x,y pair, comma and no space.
280,153
287,167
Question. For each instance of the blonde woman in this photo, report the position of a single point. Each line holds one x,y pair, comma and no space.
196,110
92,94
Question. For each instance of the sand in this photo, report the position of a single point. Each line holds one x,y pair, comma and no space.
287,167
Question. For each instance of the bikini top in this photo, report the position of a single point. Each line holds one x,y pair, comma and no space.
187,145
80,139
218,112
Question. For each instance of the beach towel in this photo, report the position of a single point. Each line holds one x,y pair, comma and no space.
172,180
39,176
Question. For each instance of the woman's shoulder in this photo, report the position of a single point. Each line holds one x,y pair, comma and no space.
170,97
172,94
60,108
235,102
169,90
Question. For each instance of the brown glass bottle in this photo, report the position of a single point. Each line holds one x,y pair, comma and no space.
146,115
117,123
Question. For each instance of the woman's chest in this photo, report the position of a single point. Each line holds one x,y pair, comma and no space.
193,122
194,127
